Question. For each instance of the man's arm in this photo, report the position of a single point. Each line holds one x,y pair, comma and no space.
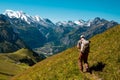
79,44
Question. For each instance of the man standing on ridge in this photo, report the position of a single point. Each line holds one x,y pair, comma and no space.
83,46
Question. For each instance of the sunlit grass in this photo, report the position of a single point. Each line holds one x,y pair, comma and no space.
9,65
104,61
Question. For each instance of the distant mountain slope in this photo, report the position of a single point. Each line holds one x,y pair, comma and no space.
9,40
16,62
97,26
104,60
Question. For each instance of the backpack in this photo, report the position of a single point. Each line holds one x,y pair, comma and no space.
85,46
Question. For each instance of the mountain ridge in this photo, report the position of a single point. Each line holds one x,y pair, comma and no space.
29,19
45,37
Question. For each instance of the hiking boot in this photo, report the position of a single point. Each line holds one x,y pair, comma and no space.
87,70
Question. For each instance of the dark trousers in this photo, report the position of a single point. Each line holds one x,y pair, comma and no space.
83,58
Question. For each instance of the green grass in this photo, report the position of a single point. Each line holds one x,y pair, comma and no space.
10,65
104,61
21,54
61,66
105,49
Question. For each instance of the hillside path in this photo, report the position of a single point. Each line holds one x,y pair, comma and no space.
92,76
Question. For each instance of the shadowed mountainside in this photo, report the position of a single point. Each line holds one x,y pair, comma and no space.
9,40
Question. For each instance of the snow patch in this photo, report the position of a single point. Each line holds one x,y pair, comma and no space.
17,14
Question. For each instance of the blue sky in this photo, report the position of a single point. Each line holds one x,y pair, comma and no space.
63,10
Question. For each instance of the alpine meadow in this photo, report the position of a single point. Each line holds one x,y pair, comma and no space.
46,50
59,40
104,61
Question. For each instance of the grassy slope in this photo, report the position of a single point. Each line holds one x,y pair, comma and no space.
10,65
104,60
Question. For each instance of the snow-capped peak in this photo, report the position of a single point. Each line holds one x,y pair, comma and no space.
37,18
83,23
79,22
64,23
88,23
29,19
17,14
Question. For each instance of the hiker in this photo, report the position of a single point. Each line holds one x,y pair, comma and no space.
83,46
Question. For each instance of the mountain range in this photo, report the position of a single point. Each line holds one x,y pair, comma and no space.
45,37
